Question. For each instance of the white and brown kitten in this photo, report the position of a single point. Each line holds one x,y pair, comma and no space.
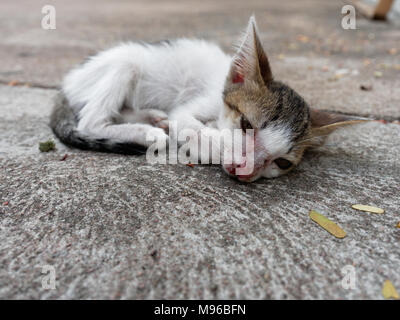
124,94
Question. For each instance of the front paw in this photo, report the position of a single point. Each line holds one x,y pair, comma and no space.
156,136
162,124
157,118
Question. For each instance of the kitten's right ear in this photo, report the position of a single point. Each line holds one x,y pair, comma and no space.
250,61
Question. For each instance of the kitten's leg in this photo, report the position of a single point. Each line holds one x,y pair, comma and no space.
99,89
154,117
103,101
98,124
192,115
139,133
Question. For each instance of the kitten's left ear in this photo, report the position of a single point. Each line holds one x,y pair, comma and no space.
324,123
250,61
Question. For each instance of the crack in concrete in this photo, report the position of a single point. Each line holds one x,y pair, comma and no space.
16,83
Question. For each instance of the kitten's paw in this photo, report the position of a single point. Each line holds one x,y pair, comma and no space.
154,116
156,135
159,119
163,124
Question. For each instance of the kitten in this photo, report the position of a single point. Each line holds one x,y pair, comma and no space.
125,94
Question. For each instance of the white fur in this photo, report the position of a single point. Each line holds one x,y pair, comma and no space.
275,140
184,79
181,81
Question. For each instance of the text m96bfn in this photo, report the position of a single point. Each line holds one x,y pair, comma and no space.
222,309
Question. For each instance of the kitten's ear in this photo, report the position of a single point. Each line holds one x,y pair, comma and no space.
324,123
250,61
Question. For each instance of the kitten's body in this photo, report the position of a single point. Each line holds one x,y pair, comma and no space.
122,95
139,76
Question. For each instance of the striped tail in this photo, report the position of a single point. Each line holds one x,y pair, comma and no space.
63,122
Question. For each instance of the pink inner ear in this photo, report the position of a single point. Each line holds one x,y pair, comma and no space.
238,78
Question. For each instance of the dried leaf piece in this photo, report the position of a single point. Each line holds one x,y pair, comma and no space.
384,66
389,291
190,165
47,146
398,225
331,79
365,208
382,121
327,224
366,62
303,38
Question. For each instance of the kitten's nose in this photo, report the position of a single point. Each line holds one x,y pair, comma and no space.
231,168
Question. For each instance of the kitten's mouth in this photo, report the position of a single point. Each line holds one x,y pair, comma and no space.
247,178
254,175
243,177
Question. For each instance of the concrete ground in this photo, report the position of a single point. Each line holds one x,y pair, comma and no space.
116,227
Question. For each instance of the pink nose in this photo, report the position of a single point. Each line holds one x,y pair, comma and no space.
231,168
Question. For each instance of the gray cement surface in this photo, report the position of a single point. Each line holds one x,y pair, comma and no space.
116,227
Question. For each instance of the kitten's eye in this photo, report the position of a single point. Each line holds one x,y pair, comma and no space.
245,124
283,163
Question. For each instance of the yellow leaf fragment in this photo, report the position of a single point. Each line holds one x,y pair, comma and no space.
327,224
389,291
371,209
367,62
13,83
303,38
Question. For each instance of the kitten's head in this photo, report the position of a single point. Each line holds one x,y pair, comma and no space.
284,125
